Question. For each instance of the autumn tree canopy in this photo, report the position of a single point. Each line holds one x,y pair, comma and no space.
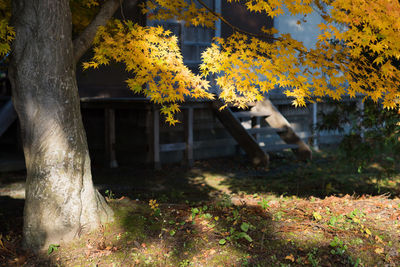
356,52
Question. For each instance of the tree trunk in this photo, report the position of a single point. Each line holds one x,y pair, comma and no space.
61,201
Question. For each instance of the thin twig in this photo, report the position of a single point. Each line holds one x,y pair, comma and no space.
235,28
122,10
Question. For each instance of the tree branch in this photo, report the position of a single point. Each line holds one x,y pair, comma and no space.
235,28
85,39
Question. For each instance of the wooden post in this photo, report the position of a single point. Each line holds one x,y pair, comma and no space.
360,105
255,123
188,124
314,125
156,138
149,135
109,115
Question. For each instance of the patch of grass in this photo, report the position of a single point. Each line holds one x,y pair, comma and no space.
297,239
292,214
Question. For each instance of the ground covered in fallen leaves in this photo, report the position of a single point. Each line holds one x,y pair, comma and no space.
224,213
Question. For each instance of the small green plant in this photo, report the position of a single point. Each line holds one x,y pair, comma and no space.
317,216
154,206
355,263
201,212
356,242
185,263
278,216
225,201
264,204
194,211
235,234
355,216
52,248
339,248
356,213
109,194
245,227
311,256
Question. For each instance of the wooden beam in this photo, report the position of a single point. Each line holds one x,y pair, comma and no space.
244,139
250,114
277,120
266,130
173,147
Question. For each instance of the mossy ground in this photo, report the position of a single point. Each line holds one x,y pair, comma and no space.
225,213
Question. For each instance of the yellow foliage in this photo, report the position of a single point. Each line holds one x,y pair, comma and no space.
183,10
153,58
7,33
357,52
83,12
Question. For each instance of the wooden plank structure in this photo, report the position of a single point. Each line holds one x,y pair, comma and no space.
187,146
239,133
286,133
248,139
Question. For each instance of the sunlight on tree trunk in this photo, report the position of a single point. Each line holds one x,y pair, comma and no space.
61,202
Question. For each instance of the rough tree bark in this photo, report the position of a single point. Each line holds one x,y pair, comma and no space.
61,201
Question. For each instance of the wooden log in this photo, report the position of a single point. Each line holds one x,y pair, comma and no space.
244,139
277,120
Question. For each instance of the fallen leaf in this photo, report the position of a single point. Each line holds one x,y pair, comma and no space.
290,257
379,250
378,239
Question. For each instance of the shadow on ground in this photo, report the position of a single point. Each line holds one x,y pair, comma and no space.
179,190
326,175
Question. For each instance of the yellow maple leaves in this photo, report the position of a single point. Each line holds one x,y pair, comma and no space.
192,12
7,33
249,67
357,52
153,58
